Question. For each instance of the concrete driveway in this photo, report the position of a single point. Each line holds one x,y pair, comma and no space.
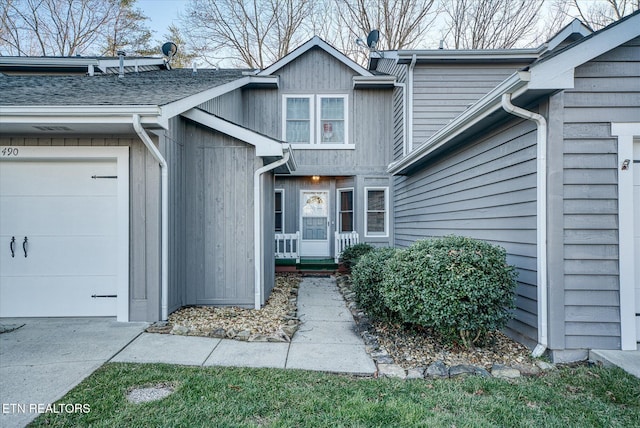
46,357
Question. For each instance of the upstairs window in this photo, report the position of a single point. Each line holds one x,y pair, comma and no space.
298,120
316,121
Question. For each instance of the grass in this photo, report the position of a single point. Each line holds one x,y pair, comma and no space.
240,397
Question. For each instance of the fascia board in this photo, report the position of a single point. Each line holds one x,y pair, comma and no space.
557,72
315,41
368,81
79,114
470,54
491,102
178,107
265,146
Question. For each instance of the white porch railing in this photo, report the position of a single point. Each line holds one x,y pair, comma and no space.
344,240
288,246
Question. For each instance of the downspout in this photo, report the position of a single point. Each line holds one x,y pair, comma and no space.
257,226
164,214
410,105
404,116
541,213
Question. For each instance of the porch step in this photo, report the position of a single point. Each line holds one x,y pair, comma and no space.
307,265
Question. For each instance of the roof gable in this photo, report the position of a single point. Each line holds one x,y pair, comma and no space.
319,43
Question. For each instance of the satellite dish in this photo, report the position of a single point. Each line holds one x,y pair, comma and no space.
169,49
372,39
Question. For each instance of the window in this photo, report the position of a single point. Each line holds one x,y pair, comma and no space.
279,210
332,122
316,121
345,210
376,215
298,120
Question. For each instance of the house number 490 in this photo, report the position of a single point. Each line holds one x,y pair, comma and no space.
10,151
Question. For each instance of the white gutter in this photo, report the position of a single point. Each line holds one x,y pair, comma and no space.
405,125
541,216
409,147
164,213
257,226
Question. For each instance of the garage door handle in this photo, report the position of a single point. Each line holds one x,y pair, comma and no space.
12,246
24,246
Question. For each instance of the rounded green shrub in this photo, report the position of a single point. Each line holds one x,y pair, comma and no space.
460,287
366,280
351,254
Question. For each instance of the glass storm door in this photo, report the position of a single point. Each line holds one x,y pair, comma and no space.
314,221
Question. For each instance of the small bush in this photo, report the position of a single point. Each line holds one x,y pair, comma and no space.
351,254
460,287
366,279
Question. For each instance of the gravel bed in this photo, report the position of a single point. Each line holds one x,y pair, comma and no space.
276,321
412,347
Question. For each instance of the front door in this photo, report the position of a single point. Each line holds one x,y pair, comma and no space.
314,222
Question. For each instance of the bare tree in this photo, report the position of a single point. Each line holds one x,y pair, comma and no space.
599,14
402,24
59,27
251,33
489,24
127,31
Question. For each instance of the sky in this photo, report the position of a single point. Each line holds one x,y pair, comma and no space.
161,13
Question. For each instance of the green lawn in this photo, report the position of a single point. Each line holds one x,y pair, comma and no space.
213,397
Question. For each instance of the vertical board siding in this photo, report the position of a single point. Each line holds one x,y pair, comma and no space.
484,190
389,66
607,89
370,115
442,92
219,216
227,106
144,216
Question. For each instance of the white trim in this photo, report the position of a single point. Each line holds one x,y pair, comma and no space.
310,97
175,108
366,82
627,259
282,210
121,156
557,71
386,212
314,252
339,208
265,146
315,42
302,146
575,27
319,98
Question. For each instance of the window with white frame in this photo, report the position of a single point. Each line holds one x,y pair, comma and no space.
345,210
376,211
298,124
319,121
279,210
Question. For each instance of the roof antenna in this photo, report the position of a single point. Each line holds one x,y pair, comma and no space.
372,39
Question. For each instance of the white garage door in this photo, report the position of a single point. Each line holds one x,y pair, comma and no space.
59,253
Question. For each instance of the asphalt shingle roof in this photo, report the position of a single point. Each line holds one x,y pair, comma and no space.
146,88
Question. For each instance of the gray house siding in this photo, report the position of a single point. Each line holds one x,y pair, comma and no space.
485,190
607,89
400,97
227,106
218,200
144,217
442,92
370,114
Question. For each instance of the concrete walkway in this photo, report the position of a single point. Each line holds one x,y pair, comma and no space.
628,361
326,341
41,359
